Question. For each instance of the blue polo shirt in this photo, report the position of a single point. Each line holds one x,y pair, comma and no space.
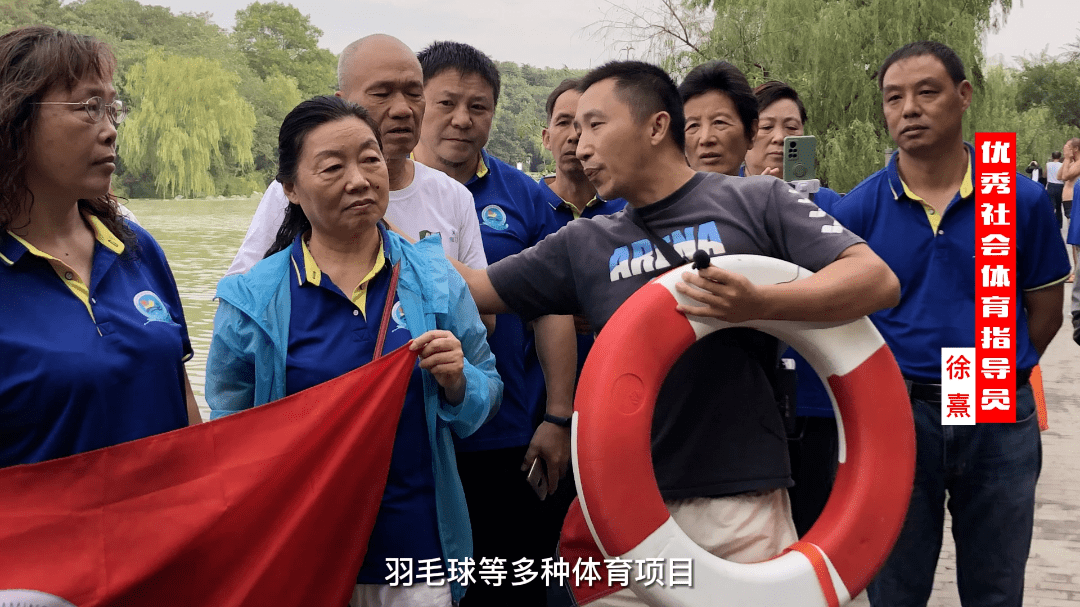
934,258
512,219
1073,236
331,334
563,213
87,366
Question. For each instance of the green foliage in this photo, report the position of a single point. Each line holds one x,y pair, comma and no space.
277,39
188,125
829,50
521,115
1051,84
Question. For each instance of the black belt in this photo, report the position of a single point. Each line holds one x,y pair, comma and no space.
932,392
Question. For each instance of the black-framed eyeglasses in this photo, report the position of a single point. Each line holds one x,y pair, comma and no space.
96,108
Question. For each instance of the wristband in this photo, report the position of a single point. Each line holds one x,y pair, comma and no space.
557,420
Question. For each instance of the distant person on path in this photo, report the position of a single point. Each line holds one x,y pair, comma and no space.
335,294
92,334
919,214
382,75
461,85
1054,185
1070,171
1035,172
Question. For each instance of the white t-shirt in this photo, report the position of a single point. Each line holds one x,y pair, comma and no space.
1052,169
432,204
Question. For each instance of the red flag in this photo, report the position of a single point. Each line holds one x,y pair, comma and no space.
270,506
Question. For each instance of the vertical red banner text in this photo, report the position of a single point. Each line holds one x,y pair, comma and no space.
996,290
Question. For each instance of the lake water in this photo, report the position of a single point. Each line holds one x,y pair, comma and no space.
200,238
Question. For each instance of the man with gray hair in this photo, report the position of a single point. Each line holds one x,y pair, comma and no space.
383,75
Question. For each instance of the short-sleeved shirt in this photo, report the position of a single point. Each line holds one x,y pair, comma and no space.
512,219
933,255
711,437
330,334
1052,169
563,213
87,366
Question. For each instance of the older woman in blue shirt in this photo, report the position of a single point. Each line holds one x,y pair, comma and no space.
338,289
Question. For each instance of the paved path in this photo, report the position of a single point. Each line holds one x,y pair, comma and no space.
1053,569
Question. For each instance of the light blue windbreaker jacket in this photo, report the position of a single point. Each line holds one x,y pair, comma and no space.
246,362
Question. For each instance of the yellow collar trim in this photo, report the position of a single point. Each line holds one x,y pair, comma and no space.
101,234
359,295
967,186
312,273
481,168
105,237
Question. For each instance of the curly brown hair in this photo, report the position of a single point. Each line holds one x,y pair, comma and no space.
33,60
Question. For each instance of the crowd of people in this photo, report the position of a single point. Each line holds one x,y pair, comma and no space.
386,191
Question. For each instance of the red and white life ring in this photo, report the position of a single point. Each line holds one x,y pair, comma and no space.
613,462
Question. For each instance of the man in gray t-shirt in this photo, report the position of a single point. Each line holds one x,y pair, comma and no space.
723,442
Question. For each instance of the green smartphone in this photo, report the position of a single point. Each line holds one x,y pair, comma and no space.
799,154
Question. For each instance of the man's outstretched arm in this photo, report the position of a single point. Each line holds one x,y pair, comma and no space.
483,293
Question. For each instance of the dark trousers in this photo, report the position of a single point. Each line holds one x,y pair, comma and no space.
1055,191
509,522
985,474
814,456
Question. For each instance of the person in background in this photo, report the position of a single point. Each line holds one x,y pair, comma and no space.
919,215
1068,174
1054,186
568,191
1035,172
461,85
92,333
382,75
336,270
721,117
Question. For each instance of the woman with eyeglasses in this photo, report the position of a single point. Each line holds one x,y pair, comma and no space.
92,335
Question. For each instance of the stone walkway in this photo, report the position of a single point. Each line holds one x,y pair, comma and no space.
1053,569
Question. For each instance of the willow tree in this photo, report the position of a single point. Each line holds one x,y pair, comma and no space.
188,124
829,50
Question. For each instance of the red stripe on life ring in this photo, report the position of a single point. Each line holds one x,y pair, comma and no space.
864,514
821,570
620,465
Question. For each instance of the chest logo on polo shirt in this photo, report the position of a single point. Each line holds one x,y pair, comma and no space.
494,217
398,315
149,305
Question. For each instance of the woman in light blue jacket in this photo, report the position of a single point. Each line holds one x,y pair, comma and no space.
336,290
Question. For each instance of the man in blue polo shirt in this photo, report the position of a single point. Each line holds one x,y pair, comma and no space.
461,85
918,214
568,191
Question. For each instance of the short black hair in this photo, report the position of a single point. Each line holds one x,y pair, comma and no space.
775,90
725,78
463,58
1055,155
565,85
948,57
647,89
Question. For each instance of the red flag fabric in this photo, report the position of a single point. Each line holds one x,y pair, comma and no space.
269,506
